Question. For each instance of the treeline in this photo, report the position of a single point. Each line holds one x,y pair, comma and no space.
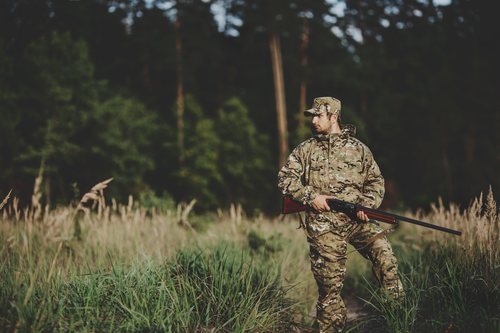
178,99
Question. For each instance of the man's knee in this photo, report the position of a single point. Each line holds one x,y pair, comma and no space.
381,255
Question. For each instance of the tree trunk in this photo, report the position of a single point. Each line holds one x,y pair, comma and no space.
304,62
180,88
279,92
364,95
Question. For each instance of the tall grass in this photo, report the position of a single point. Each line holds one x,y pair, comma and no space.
219,290
125,268
128,270
452,283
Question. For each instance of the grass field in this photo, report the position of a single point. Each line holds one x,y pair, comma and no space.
128,268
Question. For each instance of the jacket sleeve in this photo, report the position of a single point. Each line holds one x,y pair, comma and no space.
290,178
373,185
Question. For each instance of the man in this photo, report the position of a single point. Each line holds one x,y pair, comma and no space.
334,164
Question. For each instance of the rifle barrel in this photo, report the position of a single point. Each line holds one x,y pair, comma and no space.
407,219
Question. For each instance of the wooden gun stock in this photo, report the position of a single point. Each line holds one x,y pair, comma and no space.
289,206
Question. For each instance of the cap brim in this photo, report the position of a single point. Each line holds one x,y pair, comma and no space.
310,112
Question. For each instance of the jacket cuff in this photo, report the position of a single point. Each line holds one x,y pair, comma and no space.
309,195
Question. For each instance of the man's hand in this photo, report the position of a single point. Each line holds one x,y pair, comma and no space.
362,216
319,203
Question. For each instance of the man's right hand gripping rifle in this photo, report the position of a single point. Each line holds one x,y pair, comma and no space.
320,204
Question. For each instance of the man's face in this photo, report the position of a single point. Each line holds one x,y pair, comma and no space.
322,123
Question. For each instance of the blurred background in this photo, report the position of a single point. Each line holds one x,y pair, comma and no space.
203,98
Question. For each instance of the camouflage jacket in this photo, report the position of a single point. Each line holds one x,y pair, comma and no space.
335,164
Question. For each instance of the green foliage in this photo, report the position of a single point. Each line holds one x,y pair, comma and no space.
396,316
266,245
117,140
9,143
225,160
421,87
232,286
78,133
162,204
61,88
198,175
243,156
222,289
452,293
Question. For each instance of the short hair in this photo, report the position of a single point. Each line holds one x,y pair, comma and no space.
330,112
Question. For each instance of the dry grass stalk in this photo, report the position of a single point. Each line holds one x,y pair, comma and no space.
95,195
480,226
37,195
114,205
236,213
15,207
4,202
491,206
183,213
130,204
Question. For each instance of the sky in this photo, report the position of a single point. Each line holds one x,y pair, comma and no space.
337,9
221,18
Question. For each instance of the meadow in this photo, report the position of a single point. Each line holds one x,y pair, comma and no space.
97,267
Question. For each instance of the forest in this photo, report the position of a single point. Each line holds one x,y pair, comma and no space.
141,141
203,99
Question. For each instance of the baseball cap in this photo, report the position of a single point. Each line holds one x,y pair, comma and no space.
323,104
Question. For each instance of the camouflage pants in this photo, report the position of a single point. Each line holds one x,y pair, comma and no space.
328,253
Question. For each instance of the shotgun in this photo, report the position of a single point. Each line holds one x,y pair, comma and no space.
350,209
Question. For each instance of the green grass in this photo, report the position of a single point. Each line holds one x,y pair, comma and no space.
221,290
130,271
444,293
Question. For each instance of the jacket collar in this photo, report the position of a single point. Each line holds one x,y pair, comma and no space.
347,130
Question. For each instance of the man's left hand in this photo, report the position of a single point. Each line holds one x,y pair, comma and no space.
362,216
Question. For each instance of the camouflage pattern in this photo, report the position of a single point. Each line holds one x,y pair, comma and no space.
323,104
342,166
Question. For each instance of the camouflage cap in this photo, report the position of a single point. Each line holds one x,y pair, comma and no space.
322,104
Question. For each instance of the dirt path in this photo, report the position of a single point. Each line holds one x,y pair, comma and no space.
356,310
357,313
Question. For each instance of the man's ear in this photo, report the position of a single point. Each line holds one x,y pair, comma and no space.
334,116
